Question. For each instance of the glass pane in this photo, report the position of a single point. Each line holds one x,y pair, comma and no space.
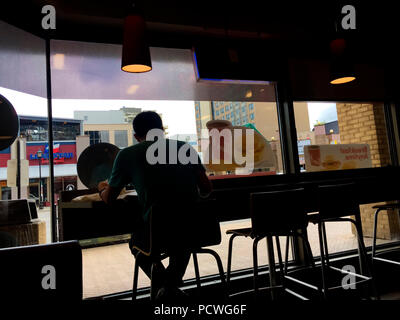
342,136
82,90
25,215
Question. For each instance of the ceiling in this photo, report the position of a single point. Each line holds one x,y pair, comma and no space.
301,28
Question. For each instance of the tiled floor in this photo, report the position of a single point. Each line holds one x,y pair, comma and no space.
109,269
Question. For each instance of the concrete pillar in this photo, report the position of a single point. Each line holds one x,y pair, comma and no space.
24,189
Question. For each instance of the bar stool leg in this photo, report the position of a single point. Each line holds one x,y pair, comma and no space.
196,271
368,268
307,247
376,290
278,248
375,232
271,264
321,247
255,265
153,292
326,252
287,254
135,277
361,248
220,268
229,266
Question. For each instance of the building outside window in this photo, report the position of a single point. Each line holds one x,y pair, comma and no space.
94,137
121,138
104,136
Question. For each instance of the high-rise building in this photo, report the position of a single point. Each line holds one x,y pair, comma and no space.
130,113
110,126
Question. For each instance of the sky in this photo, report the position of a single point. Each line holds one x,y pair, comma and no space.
179,116
322,112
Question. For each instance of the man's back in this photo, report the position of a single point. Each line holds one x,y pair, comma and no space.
169,180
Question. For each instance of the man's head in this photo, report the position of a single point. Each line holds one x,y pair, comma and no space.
144,122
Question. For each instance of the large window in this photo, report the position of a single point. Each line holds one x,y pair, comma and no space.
22,83
341,136
185,106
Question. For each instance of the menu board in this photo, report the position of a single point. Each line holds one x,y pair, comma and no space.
337,157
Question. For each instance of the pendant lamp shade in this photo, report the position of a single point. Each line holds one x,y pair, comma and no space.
342,69
135,51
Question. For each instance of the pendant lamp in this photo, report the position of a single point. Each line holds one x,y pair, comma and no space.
135,50
341,69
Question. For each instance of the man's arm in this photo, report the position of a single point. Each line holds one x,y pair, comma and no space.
107,193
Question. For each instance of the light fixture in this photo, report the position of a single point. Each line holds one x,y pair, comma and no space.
249,94
341,69
135,50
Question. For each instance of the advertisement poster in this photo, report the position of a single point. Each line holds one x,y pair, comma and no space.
337,157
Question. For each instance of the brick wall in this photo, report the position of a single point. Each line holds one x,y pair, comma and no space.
364,123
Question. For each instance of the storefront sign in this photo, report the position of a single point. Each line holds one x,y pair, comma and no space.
337,157
59,156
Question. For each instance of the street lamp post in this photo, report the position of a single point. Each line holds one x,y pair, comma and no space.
39,156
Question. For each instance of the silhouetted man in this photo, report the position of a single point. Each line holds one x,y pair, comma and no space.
176,183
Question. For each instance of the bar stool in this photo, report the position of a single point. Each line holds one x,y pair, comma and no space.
380,208
273,214
191,228
336,203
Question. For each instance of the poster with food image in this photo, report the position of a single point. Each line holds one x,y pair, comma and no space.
337,157
260,151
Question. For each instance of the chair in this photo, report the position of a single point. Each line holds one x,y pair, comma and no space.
191,227
273,214
336,203
380,208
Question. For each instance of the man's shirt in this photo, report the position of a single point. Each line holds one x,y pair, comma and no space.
153,182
